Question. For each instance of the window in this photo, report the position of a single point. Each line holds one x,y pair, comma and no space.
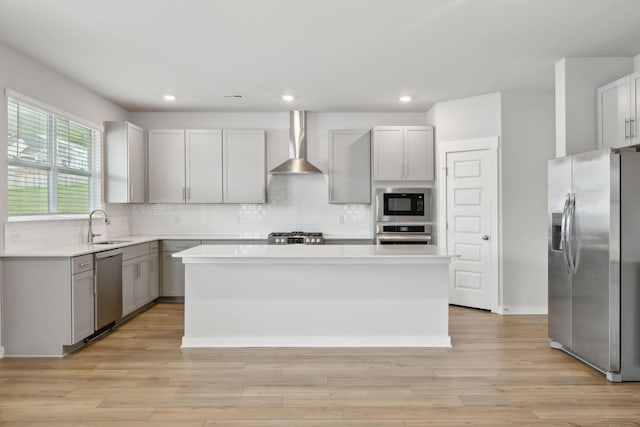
54,162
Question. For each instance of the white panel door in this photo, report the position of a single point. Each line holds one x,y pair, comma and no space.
388,157
349,166
204,166
166,166
135,163
471,206
244,166
613,113
418,153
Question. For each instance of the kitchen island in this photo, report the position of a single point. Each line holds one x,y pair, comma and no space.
316,296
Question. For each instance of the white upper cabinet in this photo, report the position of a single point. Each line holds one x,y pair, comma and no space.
167,166
388,153
418,153
244,166
207,166
204,166
124,147
403,153
350,166
618,109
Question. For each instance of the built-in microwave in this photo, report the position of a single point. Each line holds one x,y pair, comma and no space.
403,204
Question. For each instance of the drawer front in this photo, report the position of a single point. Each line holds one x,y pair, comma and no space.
81,263
136,251
153,246
178,245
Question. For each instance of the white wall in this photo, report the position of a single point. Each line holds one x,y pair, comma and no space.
524,121
30,78
576,82
295,202
467,118
528,142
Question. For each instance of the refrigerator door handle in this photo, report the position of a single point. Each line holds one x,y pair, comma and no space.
569,241
563,230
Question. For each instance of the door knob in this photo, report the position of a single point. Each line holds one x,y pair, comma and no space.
485,237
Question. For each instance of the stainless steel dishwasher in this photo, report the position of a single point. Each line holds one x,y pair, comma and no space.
108,282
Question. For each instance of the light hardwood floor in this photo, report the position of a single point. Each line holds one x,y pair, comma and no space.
500,372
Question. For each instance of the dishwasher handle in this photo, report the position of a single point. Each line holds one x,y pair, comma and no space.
108,254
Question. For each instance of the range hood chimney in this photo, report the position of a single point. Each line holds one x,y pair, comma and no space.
297,163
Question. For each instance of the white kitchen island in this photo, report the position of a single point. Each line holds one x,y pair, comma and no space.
315,296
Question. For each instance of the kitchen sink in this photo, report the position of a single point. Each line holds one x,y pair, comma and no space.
111,242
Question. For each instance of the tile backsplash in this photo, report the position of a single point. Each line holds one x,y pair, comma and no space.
30,234
295,202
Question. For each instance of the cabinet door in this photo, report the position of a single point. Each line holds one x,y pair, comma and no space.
635,108
388,157
349,166
128,285
204,166
244,167
124,163
154,290
172,276
613,106
141,282
135,163
418,153
82,313
166,166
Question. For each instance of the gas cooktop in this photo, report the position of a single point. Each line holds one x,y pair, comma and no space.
295,237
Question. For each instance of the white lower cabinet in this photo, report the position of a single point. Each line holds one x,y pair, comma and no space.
138,279
172,268
82,306
47,304
154,277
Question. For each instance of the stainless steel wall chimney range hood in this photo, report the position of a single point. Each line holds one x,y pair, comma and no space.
297,163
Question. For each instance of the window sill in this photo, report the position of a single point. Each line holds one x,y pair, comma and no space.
52,217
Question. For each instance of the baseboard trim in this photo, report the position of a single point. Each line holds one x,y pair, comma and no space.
524,310
318,341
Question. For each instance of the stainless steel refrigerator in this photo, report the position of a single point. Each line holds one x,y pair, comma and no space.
594,260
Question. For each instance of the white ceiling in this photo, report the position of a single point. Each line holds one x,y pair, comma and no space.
333,55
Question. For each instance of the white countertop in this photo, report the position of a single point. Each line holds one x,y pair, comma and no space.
71,250
314,253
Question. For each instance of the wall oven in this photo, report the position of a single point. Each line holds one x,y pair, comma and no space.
403,205
403,234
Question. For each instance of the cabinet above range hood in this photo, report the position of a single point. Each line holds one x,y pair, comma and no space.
297,163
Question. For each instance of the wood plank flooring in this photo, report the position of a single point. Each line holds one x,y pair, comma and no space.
500,372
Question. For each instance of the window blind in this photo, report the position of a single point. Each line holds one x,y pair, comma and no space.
54,162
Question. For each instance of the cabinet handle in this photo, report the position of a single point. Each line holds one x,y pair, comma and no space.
84,264
632,125
188,193
627,128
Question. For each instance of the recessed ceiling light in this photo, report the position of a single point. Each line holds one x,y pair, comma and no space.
169,97
288,98
405,98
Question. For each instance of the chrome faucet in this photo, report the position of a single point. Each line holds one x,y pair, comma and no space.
90,235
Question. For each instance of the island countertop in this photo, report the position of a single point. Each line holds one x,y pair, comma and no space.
386,254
